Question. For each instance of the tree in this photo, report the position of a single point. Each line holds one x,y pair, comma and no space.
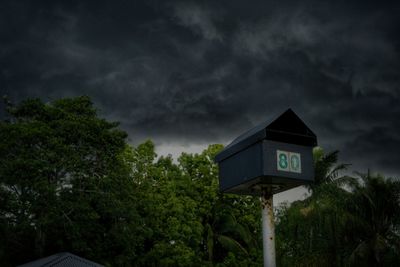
376,228
327,170
191,223
355,226
63,183
70,182
310,231
231,223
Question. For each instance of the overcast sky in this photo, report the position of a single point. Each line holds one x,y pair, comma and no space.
190,73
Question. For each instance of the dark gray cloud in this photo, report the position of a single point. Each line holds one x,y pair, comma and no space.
205,71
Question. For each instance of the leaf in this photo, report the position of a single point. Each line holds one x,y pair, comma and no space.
231,244
210,242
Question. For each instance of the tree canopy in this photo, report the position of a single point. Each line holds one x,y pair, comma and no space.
70,181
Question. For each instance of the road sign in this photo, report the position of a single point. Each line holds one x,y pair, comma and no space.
270,158
288,161
277,153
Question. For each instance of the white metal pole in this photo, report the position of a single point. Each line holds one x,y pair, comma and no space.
268,228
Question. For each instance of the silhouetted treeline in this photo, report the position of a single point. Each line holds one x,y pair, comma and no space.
69,181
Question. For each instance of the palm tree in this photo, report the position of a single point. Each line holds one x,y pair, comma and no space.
357,226
317,223
224,232
376,225
327,169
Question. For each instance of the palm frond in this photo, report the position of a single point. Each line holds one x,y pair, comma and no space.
227,223
346,181
359,252
334,172
210,242
231,244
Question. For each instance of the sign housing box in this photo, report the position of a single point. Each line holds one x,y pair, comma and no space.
277,154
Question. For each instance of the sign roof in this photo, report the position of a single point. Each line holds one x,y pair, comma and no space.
287,128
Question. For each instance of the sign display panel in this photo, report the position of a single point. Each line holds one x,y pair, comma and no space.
288,161
277,154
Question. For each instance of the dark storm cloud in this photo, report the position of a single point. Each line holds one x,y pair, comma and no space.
205,71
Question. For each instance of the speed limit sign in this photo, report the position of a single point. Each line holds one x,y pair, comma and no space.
288,161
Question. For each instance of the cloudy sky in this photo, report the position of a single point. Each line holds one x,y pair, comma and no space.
189,73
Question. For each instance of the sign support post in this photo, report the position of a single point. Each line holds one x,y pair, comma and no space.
268,227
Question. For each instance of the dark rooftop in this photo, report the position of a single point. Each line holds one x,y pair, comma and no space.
287,128
64,259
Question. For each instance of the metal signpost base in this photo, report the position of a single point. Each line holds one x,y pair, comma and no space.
268,228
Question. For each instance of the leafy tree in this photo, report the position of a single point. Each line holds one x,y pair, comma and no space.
70,182
231,223
63,183
191,224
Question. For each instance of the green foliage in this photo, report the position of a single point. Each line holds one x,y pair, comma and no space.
337,227
191,223
64,184
70,182
376,206
326,169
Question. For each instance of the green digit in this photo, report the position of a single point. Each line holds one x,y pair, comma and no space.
294,160
283,161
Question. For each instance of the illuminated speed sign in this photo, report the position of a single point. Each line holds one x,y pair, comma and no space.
277,155
288,161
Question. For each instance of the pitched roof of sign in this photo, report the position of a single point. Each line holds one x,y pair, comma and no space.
288,128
